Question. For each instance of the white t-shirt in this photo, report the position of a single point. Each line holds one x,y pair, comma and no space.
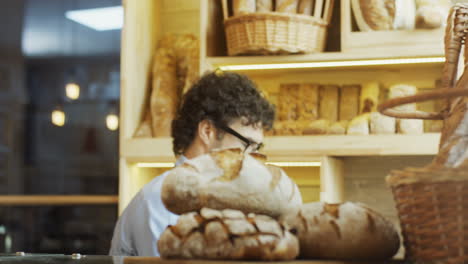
138,229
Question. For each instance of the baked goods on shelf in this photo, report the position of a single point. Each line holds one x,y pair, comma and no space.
431,13
347,231
381,124
349,101
241,7
287,6
227,234
329,98
229,179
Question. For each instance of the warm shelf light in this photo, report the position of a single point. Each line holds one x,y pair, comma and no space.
280,164
326,64
296,164
58,117
72,91
112,122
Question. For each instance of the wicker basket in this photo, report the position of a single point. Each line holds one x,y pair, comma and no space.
276,33
432,201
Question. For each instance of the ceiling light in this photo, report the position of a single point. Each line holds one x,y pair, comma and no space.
58,117
326,64
100,19
112,122
72,91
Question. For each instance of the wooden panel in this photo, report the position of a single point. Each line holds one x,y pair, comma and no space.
47,200
332,180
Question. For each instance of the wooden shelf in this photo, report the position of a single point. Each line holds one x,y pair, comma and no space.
302,148
54,200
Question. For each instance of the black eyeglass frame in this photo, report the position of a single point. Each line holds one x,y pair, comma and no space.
242,138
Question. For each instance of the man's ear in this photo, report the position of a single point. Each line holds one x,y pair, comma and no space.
206,132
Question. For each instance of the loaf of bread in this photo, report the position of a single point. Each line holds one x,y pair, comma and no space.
288,104
431,13
287,6
402,90
382,124
229,179
243,7
305,7
359,125
317,127
164,98
349,101
144,129
338,128
405,13
369,97
410,126
309,102
264,5
348,231
227,234
374,14
329,98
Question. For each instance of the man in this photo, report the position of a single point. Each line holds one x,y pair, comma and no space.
222,110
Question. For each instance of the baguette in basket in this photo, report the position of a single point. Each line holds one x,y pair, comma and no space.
229,179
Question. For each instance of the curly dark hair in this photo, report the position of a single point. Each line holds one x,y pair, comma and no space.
220,97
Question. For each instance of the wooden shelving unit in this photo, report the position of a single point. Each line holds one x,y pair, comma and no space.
147,20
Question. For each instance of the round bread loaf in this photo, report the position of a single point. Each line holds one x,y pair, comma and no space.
227,234
347,231
230,179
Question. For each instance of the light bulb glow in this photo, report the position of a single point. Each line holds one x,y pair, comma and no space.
112,122
58,117
72,91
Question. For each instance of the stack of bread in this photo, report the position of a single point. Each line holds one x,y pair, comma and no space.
313,109
234,206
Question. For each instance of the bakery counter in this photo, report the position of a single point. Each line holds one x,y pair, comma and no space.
92,259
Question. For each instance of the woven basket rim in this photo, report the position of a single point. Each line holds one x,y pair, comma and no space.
275,16
426,175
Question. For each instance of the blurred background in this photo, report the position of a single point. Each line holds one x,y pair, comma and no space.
59,93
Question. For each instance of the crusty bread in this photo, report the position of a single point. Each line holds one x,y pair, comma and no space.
227,234
374,14
348,231
229,179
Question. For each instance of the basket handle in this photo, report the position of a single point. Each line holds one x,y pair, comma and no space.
327,14
225,9
385,107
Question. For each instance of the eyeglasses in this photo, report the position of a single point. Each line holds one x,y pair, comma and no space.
249,144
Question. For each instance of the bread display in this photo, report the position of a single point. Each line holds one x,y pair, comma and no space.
288,106
264,5
349,101
317,127
227,234
410,126
309,102
243,6
229,179
338,128
145,130
374,14
329,98
348,231
359,125
287,6
401,90
369,97
381,124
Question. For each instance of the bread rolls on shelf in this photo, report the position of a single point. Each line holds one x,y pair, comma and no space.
240,7
359,125
374,14
348,231
338,128
349,101
144,129
305,7
369,97
410,126
382,124
309,101
287,6
329,98
164,95
317,127
431,13
229,179
227,234
402,90
264,5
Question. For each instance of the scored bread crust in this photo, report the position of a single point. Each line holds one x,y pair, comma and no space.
348,231
230,179
227,234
